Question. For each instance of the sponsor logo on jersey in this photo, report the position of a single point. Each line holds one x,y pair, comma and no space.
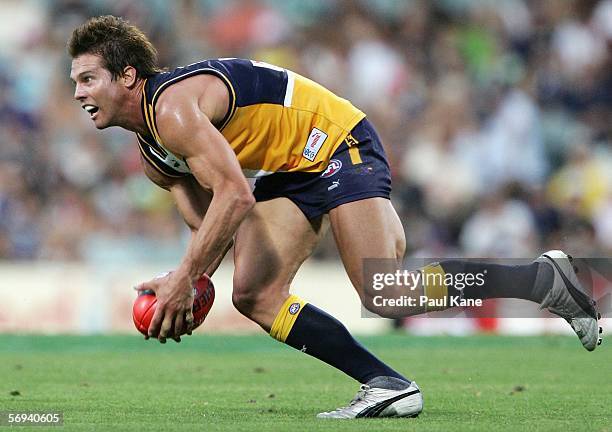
334,166
176,163
294,308
334,185
313,145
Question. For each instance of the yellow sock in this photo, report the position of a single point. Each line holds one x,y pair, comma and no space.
286,317
434,285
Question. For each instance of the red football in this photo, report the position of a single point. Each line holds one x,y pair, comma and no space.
203,298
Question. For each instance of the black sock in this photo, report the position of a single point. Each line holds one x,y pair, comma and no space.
322,336
528,282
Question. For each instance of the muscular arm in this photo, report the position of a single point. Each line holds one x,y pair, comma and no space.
183,119
183,113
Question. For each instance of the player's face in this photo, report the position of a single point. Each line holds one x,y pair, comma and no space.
98,93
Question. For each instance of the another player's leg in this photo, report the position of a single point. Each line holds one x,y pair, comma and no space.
270,246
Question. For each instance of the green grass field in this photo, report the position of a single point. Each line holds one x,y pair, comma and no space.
252,383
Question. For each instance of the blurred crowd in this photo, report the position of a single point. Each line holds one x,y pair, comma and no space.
496,116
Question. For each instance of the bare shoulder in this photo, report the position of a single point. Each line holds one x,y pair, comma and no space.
205,92
186,114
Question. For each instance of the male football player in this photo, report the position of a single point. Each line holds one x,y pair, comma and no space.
203,128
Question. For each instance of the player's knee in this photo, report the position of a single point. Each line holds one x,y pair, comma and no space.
366,295
382,311
368,302
372,301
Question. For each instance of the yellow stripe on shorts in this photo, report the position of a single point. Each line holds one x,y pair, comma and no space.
352,144
286,317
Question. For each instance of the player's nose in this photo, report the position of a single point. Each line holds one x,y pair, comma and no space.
79,93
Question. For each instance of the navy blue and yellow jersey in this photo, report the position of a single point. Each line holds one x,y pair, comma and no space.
277,120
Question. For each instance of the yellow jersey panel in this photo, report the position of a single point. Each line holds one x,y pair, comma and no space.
312,97
298,140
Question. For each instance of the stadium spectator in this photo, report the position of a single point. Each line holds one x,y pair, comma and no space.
488,92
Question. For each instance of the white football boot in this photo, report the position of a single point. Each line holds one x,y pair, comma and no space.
568,299
378,402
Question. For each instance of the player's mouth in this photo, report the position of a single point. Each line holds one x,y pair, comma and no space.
92,110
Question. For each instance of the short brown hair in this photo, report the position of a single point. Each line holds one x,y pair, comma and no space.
118,43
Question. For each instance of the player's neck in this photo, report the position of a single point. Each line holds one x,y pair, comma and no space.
131,113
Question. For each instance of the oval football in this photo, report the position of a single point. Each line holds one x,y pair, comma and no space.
203,299
143,310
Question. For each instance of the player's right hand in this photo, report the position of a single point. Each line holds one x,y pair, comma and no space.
173,314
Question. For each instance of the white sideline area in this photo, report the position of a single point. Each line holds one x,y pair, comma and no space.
83,299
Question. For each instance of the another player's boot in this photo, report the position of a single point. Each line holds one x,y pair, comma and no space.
568,299
379,402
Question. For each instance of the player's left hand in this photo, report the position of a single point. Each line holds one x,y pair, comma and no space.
174,311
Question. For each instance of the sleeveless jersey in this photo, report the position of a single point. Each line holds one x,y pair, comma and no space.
277,120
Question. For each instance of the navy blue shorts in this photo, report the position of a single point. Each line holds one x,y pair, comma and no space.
358,169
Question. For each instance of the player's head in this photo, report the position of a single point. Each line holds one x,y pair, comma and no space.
109,58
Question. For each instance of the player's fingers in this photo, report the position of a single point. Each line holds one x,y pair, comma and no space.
178,325
145,288
189,321
165,328
142,286
158,316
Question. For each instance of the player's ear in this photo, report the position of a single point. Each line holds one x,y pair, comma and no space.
129,76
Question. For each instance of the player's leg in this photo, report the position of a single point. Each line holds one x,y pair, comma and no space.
365,229
370,228
270,246
366,226
382,396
